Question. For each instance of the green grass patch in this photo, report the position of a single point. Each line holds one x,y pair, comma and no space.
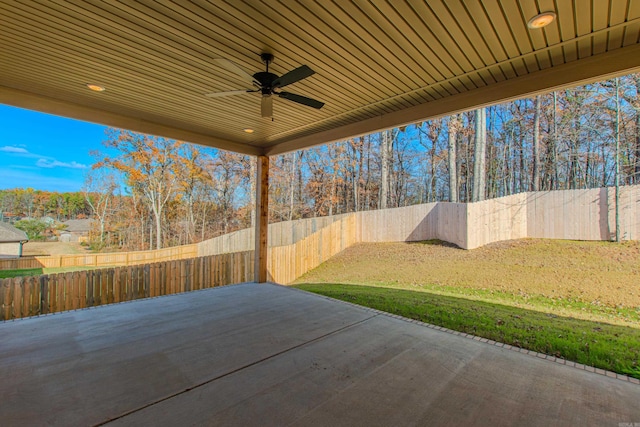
572,307
4,274
39,271
594,343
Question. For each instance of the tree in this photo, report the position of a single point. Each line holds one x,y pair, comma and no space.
99,188
192,178
227,171
148,163
428,136
632,97
33,227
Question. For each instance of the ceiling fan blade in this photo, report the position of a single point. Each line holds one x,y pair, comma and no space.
293,76
227,93
266,106
301,99
234,68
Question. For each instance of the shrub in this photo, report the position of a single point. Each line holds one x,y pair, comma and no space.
33,227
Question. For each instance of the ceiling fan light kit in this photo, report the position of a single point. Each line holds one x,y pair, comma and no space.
267,84
266,106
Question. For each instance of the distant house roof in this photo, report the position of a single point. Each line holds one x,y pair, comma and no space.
78,225
8,233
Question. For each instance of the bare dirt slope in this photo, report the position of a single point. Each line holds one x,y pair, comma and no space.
593,272
51,248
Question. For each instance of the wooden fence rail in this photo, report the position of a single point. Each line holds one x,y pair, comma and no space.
35,295
101,259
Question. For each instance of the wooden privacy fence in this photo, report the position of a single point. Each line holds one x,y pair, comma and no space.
305,244
35,295
101,259
286,263
561,214
564,214
280,234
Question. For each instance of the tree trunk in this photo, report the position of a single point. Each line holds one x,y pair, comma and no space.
453,171
332,194
385,145
535,185
367,183
617,154
292,180
573,157
480,148
636,169
158,218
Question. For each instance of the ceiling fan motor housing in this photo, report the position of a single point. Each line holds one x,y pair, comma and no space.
266,80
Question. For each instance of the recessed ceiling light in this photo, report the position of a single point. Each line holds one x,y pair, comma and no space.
96,88
541,20
247,130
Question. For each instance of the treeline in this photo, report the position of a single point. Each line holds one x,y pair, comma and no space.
29,203
561,140
157,192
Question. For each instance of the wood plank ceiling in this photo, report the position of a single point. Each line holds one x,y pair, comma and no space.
378,63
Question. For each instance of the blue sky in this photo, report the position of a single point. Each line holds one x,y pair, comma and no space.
45,152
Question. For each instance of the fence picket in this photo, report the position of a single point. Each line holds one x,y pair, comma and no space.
74,289
138,281
68,291
110,286
7,299
82,289
60,298
18,292
26,297
117,289
92,294
44,291
146,280
53,292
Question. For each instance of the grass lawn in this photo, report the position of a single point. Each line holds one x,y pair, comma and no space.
530,294
38,271
21,272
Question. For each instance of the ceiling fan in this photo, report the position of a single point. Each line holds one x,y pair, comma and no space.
268,84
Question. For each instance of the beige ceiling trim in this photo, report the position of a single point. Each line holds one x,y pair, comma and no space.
43,104
618,62
441,84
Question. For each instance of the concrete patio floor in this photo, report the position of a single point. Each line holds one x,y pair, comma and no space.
268,355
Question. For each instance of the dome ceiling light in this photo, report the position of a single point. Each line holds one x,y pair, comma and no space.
541,20
95,88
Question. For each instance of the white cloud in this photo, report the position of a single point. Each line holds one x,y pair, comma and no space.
10,149
45,163
22,152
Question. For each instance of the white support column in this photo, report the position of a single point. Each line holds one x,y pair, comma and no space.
262,218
